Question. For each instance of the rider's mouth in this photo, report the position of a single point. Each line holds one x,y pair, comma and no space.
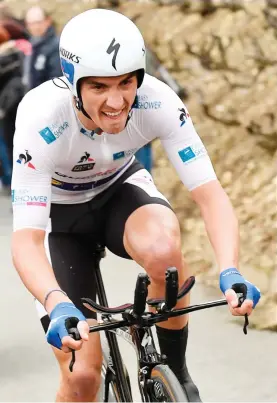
114,115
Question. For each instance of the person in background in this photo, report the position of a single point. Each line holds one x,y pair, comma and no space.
156,69
13,48
43,63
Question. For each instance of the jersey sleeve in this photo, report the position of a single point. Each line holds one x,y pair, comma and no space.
32,172
173,125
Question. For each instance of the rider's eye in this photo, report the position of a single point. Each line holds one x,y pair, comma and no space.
126,82
97,87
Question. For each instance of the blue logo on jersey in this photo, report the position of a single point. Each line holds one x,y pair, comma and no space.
47,135
52,133
68,70
186,154
89,134
142,102
119,155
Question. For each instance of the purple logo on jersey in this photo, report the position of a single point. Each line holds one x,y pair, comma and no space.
183,116
68,70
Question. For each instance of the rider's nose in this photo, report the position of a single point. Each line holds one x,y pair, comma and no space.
115,101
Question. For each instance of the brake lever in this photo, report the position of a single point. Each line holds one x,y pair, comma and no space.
73,359
241,298
74,333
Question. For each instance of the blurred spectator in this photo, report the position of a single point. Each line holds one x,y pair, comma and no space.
14,26
13,48
155,68
43,63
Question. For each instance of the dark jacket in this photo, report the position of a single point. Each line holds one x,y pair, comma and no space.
44,62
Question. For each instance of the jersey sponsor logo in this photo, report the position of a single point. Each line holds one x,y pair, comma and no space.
108,172
56,183
53,132
192,152
68,70
184,115
25,159
89,134
84,164
74,186
88,185
124,154
142,102
22,197
70,56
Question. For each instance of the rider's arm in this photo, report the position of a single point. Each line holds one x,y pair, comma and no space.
190,158
35,159
33,267
31,198
220,221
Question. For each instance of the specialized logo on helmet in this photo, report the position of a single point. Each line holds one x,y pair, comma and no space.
113,47
70,56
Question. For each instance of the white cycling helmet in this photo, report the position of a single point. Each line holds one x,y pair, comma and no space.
100,43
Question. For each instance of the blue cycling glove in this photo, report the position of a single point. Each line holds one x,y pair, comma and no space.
63,316
232,279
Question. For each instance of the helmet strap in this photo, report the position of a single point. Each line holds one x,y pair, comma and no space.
80,107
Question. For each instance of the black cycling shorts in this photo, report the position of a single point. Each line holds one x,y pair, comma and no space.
75,228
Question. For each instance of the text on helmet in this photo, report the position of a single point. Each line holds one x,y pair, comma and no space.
70,56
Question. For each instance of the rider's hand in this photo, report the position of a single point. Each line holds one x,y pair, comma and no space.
231,281
57,334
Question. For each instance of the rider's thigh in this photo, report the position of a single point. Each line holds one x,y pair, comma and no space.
136,192
86,375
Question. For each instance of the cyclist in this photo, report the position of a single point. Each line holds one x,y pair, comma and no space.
75,182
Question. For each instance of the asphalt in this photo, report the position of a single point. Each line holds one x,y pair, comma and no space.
226,365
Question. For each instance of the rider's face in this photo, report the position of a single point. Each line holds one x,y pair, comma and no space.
108,100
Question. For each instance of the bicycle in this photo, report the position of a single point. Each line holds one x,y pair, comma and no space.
156,381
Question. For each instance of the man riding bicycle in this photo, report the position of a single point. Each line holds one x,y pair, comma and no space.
76,183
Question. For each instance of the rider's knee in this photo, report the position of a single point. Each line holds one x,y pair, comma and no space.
164,251
83,382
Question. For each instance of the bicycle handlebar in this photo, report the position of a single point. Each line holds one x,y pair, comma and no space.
135,314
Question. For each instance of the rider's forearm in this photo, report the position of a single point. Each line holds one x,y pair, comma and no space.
222,227
33,267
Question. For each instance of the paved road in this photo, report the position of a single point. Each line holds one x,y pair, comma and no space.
226,365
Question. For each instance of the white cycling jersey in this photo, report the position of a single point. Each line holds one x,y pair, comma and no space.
56,159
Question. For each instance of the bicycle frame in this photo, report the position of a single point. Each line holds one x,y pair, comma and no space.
140,337
115,368
136,329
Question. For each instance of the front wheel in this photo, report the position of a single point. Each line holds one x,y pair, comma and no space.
164,386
